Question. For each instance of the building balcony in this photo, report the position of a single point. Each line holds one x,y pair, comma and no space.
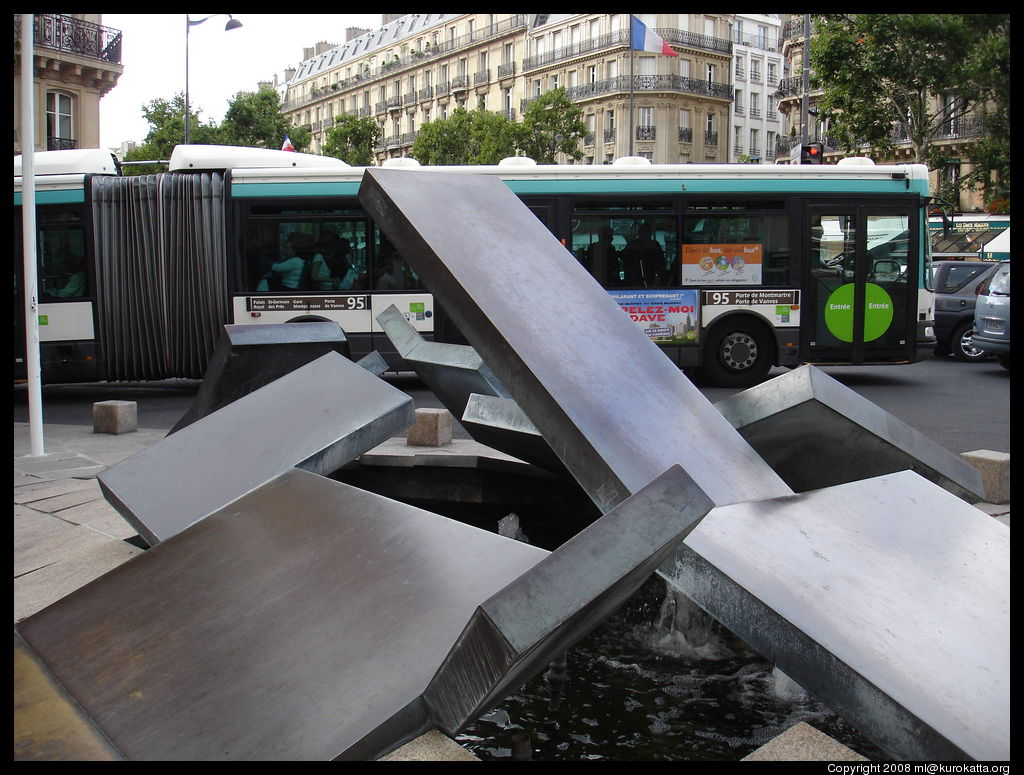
426,93
609,135
507,70
685,135
459,83
762,42
482,76
711,138
620,38
60,144
73,36
651,83
645,133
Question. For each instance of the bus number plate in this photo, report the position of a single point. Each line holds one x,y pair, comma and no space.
306,303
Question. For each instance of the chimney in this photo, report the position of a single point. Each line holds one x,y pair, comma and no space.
354,32
288,73
323,46
308,53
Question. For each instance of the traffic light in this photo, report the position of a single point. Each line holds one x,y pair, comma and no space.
812,153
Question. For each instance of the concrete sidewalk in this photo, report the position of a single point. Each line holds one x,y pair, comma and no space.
66,534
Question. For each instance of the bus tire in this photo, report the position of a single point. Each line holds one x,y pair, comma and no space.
738,353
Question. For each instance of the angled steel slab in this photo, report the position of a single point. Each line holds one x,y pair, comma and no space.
451,371
815,432
374,363
499,423
520,629
248,357
303,621
318,417
614,409
888,598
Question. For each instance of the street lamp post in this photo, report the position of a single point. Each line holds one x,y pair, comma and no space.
233,24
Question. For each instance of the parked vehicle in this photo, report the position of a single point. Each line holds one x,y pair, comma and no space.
956,285
992,315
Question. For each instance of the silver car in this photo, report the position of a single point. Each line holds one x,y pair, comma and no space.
992,316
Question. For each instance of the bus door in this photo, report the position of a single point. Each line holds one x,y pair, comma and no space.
860,281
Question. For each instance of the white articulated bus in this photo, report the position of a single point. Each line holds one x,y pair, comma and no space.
730,268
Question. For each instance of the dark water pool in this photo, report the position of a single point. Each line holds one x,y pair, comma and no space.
659,681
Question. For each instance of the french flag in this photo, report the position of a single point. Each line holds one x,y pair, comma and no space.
642,38
287,145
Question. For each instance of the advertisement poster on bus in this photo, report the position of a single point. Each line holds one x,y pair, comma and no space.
667,317
721,264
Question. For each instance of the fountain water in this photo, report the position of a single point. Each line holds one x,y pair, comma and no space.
660,680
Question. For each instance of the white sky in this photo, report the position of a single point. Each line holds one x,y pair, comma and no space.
221,63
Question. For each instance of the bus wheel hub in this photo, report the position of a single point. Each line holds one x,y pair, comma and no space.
739,351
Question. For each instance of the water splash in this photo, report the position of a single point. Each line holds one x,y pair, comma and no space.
659,681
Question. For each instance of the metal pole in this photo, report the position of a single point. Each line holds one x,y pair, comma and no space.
188,134
28,224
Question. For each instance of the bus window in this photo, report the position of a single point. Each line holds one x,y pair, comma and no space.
760,241
635,251
62,271
391,271
285,255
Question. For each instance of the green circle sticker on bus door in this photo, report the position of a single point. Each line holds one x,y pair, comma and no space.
878,312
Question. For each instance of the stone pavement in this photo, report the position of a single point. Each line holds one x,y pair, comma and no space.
66,534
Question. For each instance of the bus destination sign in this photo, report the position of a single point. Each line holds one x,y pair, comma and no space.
306,303
748,298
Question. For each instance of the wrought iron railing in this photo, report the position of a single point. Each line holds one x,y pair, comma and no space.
60,144
645,133
621,38
685,135
645,83
73,36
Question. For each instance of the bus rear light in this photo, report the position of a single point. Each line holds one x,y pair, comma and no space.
255,314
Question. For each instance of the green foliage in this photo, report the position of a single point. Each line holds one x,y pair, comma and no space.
252,119
255,119
882,72
167,129
989,64
466,137
352,139
552,124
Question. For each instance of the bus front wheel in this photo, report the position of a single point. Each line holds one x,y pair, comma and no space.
737,355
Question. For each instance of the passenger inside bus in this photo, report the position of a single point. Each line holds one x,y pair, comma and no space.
330,269
74,281
602,259
290,273
644,260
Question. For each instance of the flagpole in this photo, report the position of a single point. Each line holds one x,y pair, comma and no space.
631,60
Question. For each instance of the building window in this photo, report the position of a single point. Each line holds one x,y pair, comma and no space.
60,133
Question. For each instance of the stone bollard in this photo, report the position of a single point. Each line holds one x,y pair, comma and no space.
995,473
114,417
433,428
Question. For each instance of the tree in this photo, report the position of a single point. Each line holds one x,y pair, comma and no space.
915,75
466,137
989,61
552,123
352,139
255,119
166,120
